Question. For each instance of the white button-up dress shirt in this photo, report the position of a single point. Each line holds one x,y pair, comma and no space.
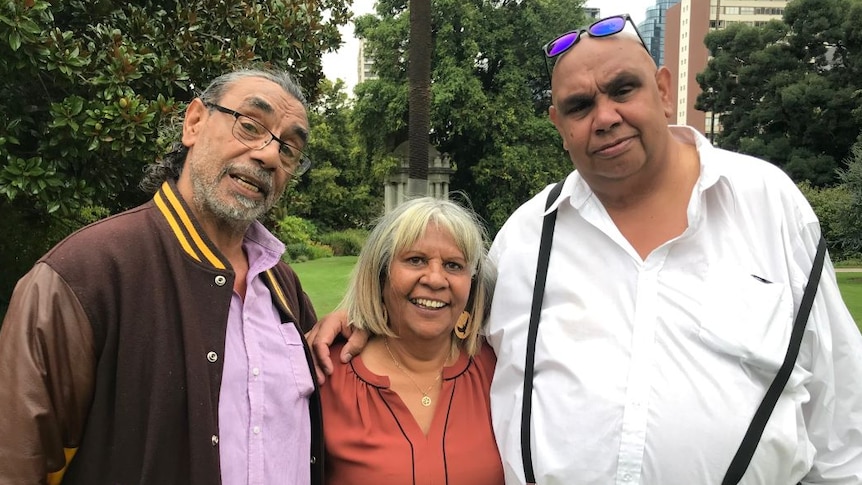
649,371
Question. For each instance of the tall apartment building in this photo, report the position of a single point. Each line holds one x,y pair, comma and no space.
365,64
592,13
652,28
687,23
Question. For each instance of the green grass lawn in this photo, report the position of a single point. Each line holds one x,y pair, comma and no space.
325,280
850,285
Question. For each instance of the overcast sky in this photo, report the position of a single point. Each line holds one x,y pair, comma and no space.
343,64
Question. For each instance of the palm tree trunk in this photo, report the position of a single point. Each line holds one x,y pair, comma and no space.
419,77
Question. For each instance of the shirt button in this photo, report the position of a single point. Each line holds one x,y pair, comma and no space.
215,440
212,356
256,430
220,280
255,371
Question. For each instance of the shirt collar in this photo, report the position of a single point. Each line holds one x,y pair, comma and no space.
263,249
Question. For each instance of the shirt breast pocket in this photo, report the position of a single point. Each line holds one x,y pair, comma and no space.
298,363
747,318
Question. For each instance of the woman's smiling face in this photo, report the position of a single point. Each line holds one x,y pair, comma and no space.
427,287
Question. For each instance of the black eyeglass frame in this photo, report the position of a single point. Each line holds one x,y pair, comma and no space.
303,159
626,18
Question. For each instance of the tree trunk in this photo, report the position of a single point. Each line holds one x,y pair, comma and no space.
419,77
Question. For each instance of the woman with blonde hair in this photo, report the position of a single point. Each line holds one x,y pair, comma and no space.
413,406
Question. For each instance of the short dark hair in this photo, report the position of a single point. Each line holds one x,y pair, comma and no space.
171,164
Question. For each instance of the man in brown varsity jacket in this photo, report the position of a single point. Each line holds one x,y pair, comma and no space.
164,345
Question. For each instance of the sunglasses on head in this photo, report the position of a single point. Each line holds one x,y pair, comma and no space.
600,28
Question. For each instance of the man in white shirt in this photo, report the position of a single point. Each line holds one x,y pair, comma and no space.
673,280
675,273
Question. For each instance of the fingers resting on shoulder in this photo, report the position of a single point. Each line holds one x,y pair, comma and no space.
321,337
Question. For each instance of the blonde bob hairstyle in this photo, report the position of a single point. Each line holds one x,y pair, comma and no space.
395,233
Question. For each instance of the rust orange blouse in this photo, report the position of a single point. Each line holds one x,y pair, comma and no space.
371,437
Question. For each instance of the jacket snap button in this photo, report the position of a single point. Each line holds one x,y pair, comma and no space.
220,280
212,356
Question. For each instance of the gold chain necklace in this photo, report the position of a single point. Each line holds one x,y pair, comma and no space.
426,399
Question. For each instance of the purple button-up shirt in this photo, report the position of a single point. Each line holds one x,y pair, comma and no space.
264,420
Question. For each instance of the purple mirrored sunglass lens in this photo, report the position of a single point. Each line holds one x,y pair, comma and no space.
563,43
613,25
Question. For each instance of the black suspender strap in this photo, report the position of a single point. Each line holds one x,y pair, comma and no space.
749,443
535,313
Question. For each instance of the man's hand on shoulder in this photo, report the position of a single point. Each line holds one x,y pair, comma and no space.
324,333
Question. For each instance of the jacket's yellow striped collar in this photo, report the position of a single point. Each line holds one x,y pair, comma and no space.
197,245
175,212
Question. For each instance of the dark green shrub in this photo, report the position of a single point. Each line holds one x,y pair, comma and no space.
345,243
832,206
317,251
295,230
300,252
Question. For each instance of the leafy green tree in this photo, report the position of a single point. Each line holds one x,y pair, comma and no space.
86,84
789,91
488,94
341,191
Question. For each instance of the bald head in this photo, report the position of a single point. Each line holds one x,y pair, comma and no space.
593,55
624,45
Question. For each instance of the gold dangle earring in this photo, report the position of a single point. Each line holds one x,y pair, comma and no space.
461,325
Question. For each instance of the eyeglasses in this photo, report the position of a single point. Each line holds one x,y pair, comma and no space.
254,135
600,28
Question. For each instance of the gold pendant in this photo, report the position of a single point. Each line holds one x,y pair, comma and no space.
426,401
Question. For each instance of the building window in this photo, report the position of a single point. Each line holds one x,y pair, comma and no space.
768,11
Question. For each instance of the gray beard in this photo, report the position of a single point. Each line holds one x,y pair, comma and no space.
236,217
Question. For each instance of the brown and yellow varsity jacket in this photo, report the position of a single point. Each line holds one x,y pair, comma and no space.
109,354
